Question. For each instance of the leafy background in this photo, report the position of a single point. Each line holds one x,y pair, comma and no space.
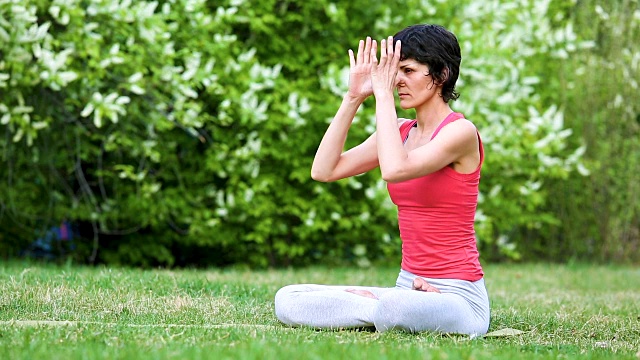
181,132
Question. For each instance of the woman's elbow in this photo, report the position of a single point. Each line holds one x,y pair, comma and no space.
391,176
319,176
389,179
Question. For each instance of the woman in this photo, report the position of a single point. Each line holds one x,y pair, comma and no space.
432,167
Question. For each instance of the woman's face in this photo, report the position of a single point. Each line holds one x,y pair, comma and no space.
415,85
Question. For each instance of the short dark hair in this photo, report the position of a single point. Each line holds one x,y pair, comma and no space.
436,47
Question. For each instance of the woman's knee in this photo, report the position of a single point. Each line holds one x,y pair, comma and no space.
281,301
285,303
431,312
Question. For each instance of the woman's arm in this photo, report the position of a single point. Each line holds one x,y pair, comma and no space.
456,144
330,163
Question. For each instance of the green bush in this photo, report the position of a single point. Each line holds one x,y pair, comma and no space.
182,132
600,214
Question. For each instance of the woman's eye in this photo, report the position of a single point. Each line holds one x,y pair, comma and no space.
407,71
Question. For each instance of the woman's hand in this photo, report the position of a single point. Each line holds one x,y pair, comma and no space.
360,71
383,73
421,284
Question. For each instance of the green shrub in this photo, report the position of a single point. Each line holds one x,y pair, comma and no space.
600,214
182,132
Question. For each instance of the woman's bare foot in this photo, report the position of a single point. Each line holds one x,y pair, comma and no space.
364,293
421,284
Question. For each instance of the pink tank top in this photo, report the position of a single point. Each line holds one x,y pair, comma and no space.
436,216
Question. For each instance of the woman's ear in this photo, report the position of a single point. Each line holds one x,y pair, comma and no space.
446,73
445,76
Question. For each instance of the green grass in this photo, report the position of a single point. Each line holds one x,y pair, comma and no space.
569,312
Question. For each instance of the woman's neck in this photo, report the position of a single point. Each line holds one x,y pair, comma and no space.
429,117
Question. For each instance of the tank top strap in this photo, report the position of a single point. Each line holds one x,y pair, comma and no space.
449,119
453,117
405,128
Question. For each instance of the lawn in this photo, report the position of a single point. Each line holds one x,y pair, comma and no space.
69,312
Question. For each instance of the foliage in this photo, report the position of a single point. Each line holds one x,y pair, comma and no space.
600,214
148,123
181,132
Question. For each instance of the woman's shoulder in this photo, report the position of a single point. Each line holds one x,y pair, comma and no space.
461,124
461,130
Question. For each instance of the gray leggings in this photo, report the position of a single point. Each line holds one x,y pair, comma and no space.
462,307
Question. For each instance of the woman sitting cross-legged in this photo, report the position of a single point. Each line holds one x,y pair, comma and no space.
432,166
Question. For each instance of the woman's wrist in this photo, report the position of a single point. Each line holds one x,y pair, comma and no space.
383,97
354,99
